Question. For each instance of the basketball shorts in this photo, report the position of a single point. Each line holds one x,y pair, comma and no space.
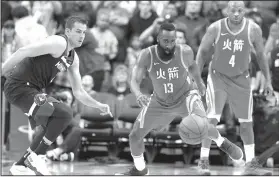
156,117
236,89
21,94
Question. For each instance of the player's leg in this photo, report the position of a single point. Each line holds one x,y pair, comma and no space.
213,134
215,98
150,118
241,101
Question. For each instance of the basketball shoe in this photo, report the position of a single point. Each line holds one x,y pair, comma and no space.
231,149
254,168
18,170
203,167
37,163
135,172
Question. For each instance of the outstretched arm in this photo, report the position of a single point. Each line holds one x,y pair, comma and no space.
139,71
54,45
79,92
188,62
206,43
257,41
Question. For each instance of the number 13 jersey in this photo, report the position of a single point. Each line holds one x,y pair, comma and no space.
170,79
232,50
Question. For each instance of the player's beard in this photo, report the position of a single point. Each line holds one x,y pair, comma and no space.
162,52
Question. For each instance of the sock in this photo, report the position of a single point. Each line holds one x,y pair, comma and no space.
43,146
139,162
268,153
23,158
219,140
204,153
249,152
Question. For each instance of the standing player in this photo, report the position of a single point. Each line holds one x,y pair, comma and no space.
174,94
32,68
233,37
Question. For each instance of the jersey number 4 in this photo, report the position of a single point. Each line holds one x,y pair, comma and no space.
232,61
168,88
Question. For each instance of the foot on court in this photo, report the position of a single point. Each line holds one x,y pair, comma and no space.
232,150
135,172
203,167
37,164
253,168
18,170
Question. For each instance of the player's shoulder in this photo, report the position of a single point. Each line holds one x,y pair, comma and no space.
254,26
144,56
185,48
215,25
57,40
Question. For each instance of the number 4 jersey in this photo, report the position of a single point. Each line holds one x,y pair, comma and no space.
170,79
232,50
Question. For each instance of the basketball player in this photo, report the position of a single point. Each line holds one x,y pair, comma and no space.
228,78
31,69
169,65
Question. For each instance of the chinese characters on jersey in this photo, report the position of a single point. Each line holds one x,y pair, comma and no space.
237,45
172,73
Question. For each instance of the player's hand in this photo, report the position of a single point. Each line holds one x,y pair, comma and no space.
143,100
268,89
202,88
105,110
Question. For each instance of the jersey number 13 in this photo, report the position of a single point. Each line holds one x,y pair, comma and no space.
168,88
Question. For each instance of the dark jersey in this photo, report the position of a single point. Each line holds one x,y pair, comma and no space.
41,70
275,68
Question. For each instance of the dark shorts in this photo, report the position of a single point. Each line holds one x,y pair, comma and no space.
21,94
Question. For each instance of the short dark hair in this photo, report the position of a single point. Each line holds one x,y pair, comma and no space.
73,19
20,12
167,27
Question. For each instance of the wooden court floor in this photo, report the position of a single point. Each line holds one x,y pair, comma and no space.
91,168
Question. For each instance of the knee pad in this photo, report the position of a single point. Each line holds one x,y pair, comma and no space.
41,109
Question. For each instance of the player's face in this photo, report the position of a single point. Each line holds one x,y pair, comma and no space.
77,34
236,14
166,41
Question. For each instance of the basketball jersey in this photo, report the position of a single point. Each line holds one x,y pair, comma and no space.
232,50
275,68
170,79
41,70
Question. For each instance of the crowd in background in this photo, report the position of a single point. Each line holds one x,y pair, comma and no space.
117,31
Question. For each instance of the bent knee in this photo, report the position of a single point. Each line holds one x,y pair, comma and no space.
62,111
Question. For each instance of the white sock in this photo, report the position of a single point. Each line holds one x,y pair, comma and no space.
139,162
204,152
219,140
249,152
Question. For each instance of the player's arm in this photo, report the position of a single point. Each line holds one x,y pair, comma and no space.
273,34
78,91
257,41
188,62
139,71
206,43
54,45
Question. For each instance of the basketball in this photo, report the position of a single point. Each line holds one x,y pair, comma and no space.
193,129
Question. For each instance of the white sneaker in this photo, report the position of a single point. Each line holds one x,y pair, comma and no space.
17,170
37,164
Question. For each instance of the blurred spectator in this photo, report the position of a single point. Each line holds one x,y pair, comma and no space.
71,135
133,52
119,18
88,84
273,38
80,8
6,12
180,6
141,20
49,14
192,18
159,7
28,30
181,36
10,40
267,9
107,42
120,86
